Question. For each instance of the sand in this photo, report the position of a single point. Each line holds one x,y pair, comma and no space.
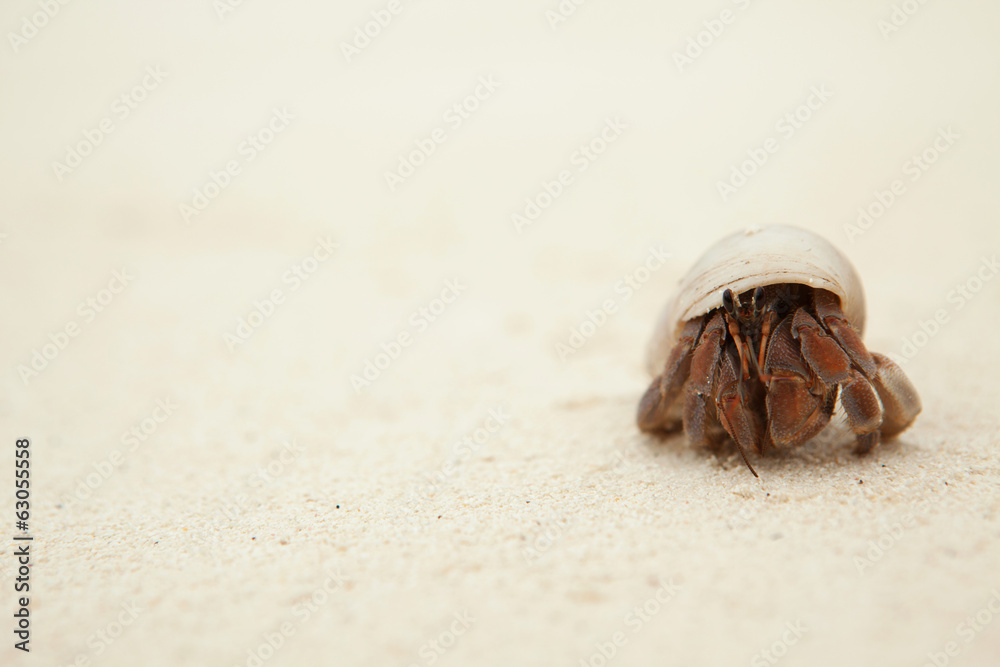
287,410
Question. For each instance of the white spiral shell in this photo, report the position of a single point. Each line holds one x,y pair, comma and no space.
756,257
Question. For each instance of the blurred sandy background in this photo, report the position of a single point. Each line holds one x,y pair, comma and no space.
248,504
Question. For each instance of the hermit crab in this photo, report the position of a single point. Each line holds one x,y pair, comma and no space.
761,335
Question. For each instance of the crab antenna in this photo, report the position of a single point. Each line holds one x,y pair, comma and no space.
743,454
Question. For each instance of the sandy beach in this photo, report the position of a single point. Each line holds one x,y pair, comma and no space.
327,327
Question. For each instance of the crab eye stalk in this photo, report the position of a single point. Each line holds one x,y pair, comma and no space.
756,299
728,303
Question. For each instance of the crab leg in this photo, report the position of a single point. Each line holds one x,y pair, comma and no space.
832,366
704,364
829,313
900,401
656,407
897,403
864,414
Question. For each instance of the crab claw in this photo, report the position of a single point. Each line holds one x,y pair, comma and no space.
797,406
